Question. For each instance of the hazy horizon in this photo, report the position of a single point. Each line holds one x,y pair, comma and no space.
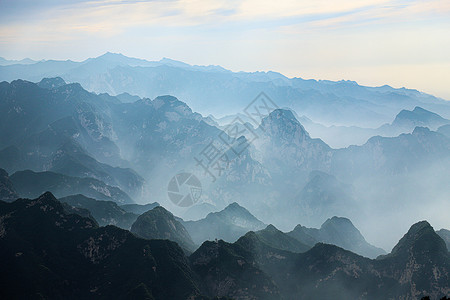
373,42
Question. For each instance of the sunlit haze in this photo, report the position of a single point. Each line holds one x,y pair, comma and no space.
374,42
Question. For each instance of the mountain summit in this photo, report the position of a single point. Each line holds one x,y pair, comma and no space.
418,117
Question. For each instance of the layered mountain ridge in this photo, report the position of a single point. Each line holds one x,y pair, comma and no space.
39,240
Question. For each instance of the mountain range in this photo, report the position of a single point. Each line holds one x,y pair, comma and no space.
213,89
69,141
291,184
51,252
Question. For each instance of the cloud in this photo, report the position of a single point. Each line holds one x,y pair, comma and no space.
291,36
112,17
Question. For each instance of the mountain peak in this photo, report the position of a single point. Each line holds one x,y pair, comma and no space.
270,227
282,123
339,221
235,207
419,109
172,103
419,130
47,197
283,113
418,117
51,83
159,223
420,238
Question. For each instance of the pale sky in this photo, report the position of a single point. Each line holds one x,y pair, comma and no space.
374,42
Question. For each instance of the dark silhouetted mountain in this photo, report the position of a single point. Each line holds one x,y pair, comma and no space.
329,272
337,231
418,267
228,224
445,235
104,212
229,270
68,209
139,209
420,239
51,254
419,262
7,191
158,223
29,184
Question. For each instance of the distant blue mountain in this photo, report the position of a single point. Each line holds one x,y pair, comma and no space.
213,89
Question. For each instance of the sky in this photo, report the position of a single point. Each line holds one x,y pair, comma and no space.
374,42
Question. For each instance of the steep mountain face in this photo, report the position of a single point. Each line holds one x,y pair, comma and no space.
158,223
285,145
32,184
337,231
104,212
169,128
419,262
28,109
229,270
327,271
7,191
228,224
65,129
81,134
445,235
51,254
162,136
